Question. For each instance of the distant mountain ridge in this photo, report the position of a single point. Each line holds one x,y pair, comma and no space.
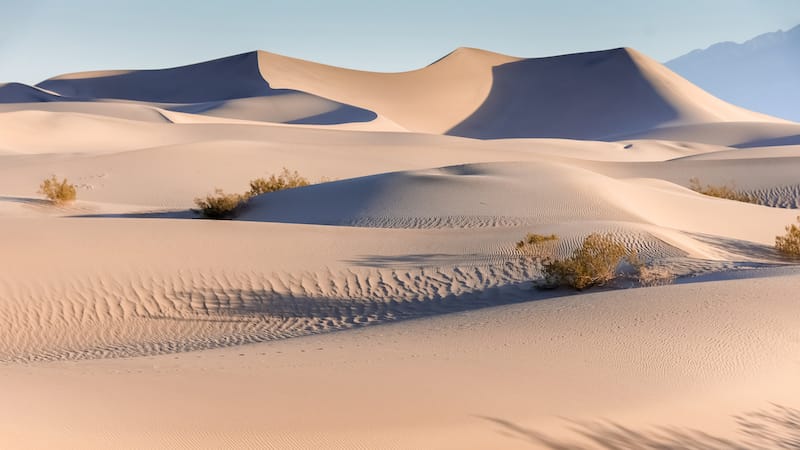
762,74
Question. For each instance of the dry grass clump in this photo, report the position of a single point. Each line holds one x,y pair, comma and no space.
649,275
281,181
535,239
58,192
728,192
654,276
220,205
789,243
594,263
537,245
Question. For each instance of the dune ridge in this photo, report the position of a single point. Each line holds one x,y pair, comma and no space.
603,95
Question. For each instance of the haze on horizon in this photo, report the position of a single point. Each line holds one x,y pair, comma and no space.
43,38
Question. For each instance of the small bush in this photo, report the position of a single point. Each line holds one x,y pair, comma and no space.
654,276
594,263
284,180
789,243
649,275
535,239
58,192
728,192
537,245
220,205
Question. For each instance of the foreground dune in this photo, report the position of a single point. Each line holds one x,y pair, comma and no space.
688,357
386,305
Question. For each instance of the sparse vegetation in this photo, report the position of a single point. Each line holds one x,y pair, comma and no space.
281,181
726,191
594,263
649,275
532,239
220,205
789,243
58,192
537,245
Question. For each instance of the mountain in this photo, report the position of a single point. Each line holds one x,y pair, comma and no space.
762,74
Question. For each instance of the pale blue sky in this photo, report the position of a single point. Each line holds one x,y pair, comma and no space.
42,38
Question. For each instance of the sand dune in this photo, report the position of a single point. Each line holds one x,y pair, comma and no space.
22,93
295,108
594,95
223,79
174,331
458,253
210,88
688,356
605,95
733,134
587,96
470,196
432,99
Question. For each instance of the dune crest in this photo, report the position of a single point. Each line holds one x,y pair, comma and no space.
602,95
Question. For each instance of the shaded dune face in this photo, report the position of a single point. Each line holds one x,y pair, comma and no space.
22,93
222,79
230,87
292,107
583,96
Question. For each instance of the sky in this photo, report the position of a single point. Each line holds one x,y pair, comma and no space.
43,38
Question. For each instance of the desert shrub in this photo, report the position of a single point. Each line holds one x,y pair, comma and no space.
58,192
789,243
537,245
649,275
535,239
594,263
220,205
654,276
728,192
283,180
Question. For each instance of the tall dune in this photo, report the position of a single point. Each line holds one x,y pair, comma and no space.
222,79
603,95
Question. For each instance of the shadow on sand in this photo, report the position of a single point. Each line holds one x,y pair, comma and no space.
26,200
582,96
234,304
745,249
777,427
176,214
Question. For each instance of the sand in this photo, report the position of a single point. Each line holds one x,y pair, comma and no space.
385,305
